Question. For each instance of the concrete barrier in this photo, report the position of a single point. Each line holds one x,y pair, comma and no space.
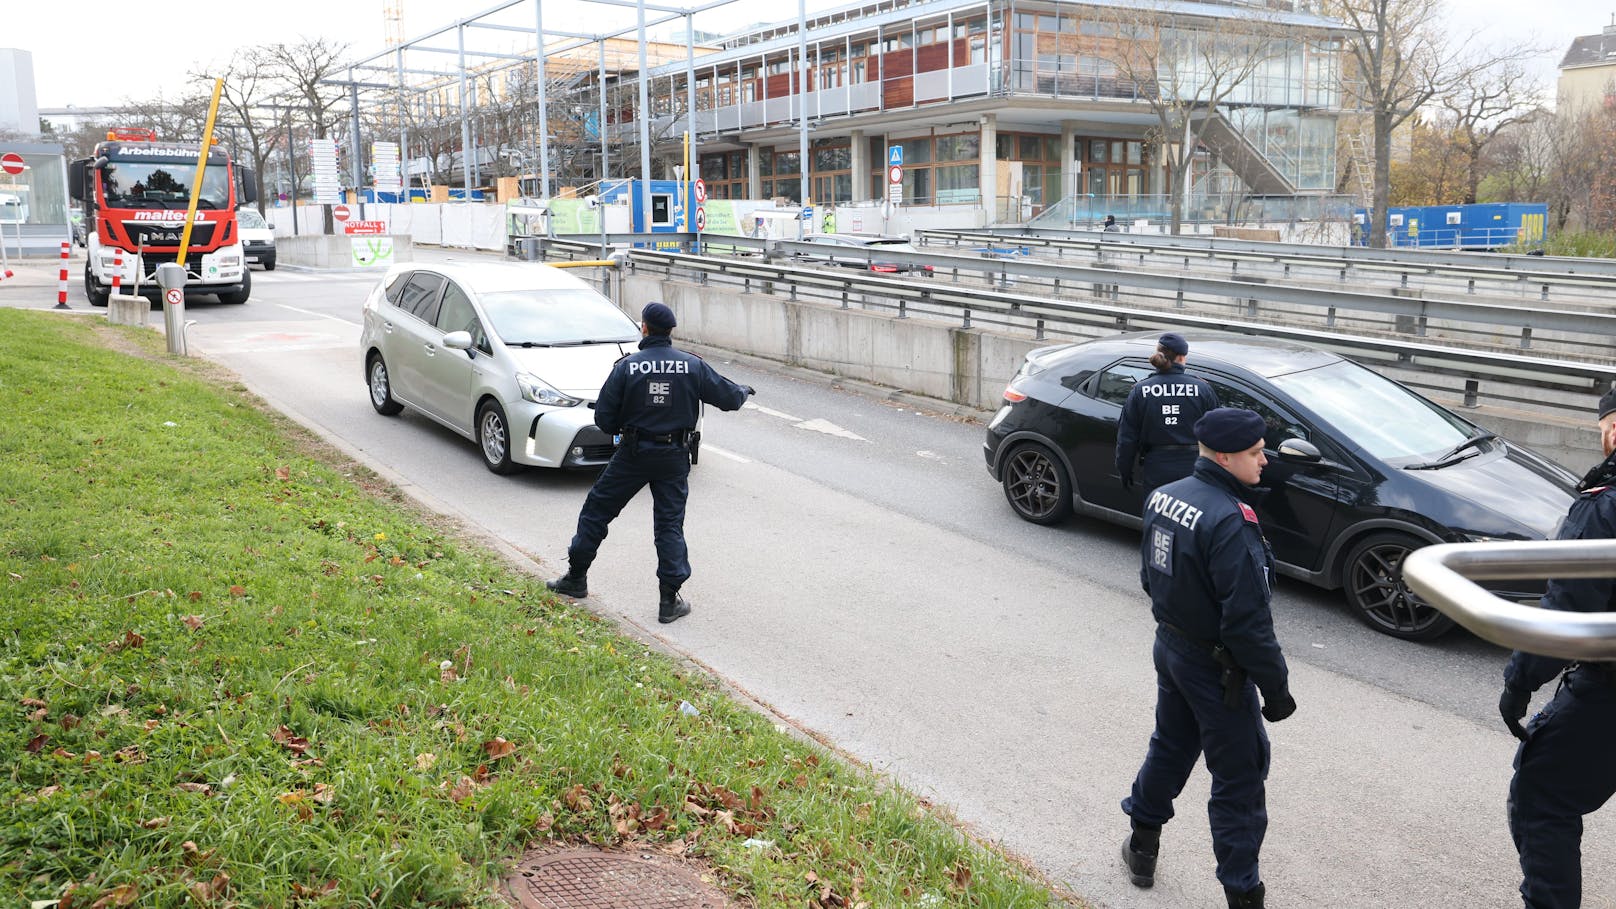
345,251
127,309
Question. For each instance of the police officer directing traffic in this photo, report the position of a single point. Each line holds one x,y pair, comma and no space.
1159,416
1565,767
653,398
1207,569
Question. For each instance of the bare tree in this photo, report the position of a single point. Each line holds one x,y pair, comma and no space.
247,86
1397,48
1187,68
1520,157
304,70
1487,97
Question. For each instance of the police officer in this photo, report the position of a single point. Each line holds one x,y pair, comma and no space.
653,398
1207,569
1159,416
1565,767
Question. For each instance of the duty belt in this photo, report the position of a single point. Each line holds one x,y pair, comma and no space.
682,437
1150,448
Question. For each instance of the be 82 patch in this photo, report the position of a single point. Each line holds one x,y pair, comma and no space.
658,393
1161,550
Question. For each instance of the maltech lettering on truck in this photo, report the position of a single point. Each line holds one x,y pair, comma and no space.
135,191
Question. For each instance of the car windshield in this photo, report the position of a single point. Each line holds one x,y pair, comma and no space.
566,316
892,245
1388,420
134,184
251,219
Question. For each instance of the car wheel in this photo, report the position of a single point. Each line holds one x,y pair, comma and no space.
240,296
1036,484
95,293
1373,578
269,262
494,438
381,387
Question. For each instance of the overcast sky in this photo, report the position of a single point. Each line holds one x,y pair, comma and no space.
87,55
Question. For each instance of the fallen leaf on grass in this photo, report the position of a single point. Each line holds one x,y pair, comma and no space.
69,720
193,622
202,789
425,761
121,895
36,743
156,823
461,790
576,798
498,748
282,473
236,590
286,739
33,702
206,892
313,891
195,595
129,641
38,715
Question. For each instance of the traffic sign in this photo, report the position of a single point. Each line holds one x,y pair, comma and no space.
895,174
174,296
701,191
339,212
895,156
11,163
807,212
365,228
701,216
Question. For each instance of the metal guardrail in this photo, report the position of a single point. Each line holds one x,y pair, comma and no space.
907,296
1445,576
1531,266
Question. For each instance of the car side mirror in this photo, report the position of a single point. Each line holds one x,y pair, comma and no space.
457,340
269,224
1300,450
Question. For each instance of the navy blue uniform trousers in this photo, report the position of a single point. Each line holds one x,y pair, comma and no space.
1564,770
1191,720
666,469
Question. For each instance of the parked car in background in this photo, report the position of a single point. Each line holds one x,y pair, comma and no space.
511,355
873,244
1361,470
257,237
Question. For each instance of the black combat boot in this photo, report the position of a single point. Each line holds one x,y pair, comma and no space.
1139,854
1247,899
573,584
673,606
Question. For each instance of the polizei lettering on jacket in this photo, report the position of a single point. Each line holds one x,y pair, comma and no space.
1174,509
649,367
1170,390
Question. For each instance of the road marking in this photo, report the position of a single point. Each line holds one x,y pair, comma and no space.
310,312
773,413
931,455
708,446
830,429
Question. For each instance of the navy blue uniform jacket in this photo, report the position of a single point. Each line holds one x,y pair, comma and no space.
1592,517
659,390
1208,568
1161,410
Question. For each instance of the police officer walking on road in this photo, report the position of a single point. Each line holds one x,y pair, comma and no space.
653,398
1159,416
1565,767
1207,569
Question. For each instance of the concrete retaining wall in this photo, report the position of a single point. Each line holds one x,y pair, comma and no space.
337,251
963,366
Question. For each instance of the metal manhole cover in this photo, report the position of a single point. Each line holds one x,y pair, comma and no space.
591,879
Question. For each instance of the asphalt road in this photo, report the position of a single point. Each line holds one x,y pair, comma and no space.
858,570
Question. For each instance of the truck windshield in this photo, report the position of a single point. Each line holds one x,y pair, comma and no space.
132,184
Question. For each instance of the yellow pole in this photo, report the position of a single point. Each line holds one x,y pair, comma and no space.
201,166
684,195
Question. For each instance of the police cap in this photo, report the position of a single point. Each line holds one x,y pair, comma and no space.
1229,429
1607,404
658,316
1174,343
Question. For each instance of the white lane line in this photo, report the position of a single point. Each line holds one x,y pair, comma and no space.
773,413
830,429
310,312
708,446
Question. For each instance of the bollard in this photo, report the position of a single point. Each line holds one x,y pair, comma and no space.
61,289
530,249
171,278
117,269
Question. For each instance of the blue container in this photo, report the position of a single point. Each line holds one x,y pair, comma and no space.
1489,225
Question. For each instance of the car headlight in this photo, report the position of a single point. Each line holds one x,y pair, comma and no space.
536,390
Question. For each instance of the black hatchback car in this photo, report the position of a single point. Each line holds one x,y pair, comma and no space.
1361,470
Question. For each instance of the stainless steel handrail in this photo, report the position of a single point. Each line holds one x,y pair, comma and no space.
1445,576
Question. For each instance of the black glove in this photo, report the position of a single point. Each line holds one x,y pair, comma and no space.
1127,479
1512,707
750,390
1279,708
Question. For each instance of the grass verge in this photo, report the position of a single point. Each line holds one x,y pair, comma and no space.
235,672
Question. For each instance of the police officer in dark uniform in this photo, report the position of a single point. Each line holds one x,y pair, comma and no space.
1207,569
1565,767
653,398
1159,416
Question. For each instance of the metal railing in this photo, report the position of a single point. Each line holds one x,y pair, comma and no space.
974,292
1445,576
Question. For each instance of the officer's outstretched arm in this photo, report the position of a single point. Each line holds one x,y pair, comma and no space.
719,391
1240,583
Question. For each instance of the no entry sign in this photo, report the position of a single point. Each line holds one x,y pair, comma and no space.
11,163
340,212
